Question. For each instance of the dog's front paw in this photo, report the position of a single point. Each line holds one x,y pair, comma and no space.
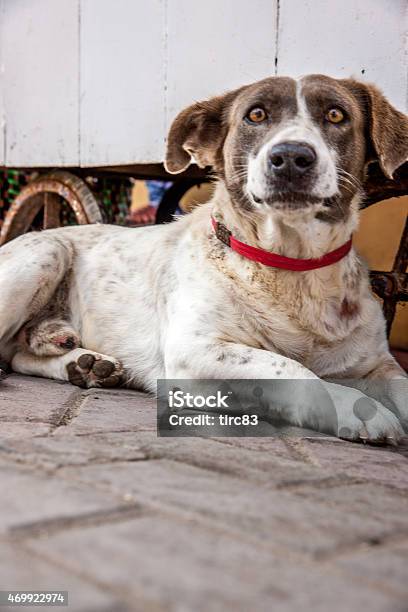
94,370
362,418
396,399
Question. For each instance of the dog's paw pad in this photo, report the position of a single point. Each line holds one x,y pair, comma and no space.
345,433
75,375
86,361
94,370
103,368
111,381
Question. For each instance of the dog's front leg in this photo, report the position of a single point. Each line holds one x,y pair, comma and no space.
306,402
388,383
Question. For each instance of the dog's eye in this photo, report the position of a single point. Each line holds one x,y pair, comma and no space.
256,115
335,115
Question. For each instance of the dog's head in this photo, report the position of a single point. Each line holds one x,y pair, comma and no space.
286,145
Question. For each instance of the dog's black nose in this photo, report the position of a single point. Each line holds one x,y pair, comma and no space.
291,160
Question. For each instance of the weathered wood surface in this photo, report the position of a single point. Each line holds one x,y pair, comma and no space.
39,51
96,83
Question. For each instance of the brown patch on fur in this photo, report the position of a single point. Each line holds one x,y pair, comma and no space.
49,331
199,130
348,309
386,127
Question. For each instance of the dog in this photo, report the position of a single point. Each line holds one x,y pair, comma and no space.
260,283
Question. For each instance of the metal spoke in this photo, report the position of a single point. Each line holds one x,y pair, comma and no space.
52,207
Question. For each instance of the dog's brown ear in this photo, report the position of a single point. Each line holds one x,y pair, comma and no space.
388,130
198,133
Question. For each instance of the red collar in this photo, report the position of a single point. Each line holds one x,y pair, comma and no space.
278,261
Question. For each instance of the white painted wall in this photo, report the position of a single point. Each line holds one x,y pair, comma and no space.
213,46
96,82
366,39
122,74
2,116
39,66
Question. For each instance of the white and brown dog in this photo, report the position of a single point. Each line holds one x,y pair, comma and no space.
103,305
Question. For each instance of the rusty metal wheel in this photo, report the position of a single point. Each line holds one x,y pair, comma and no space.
49,192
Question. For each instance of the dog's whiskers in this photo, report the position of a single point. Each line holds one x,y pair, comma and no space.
347,178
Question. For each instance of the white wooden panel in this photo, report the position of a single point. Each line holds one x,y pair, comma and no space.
2,111
214,46
40,80
365,39
136,63
122,81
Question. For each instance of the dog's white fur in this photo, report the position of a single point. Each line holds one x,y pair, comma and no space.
174,302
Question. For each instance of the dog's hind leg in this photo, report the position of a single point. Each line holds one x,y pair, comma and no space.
48,338
81,367
31,268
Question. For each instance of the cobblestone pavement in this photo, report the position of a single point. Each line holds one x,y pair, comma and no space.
93,502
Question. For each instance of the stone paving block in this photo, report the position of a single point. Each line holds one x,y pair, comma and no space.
24,398
28,497
19,430
21,570
275,466
379,464
56,451
122,410
276,518
269,445
367,499
385,567
221,455
186,567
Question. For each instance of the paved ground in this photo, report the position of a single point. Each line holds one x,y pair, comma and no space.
94,503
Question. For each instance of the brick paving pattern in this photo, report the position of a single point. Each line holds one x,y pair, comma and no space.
93,502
